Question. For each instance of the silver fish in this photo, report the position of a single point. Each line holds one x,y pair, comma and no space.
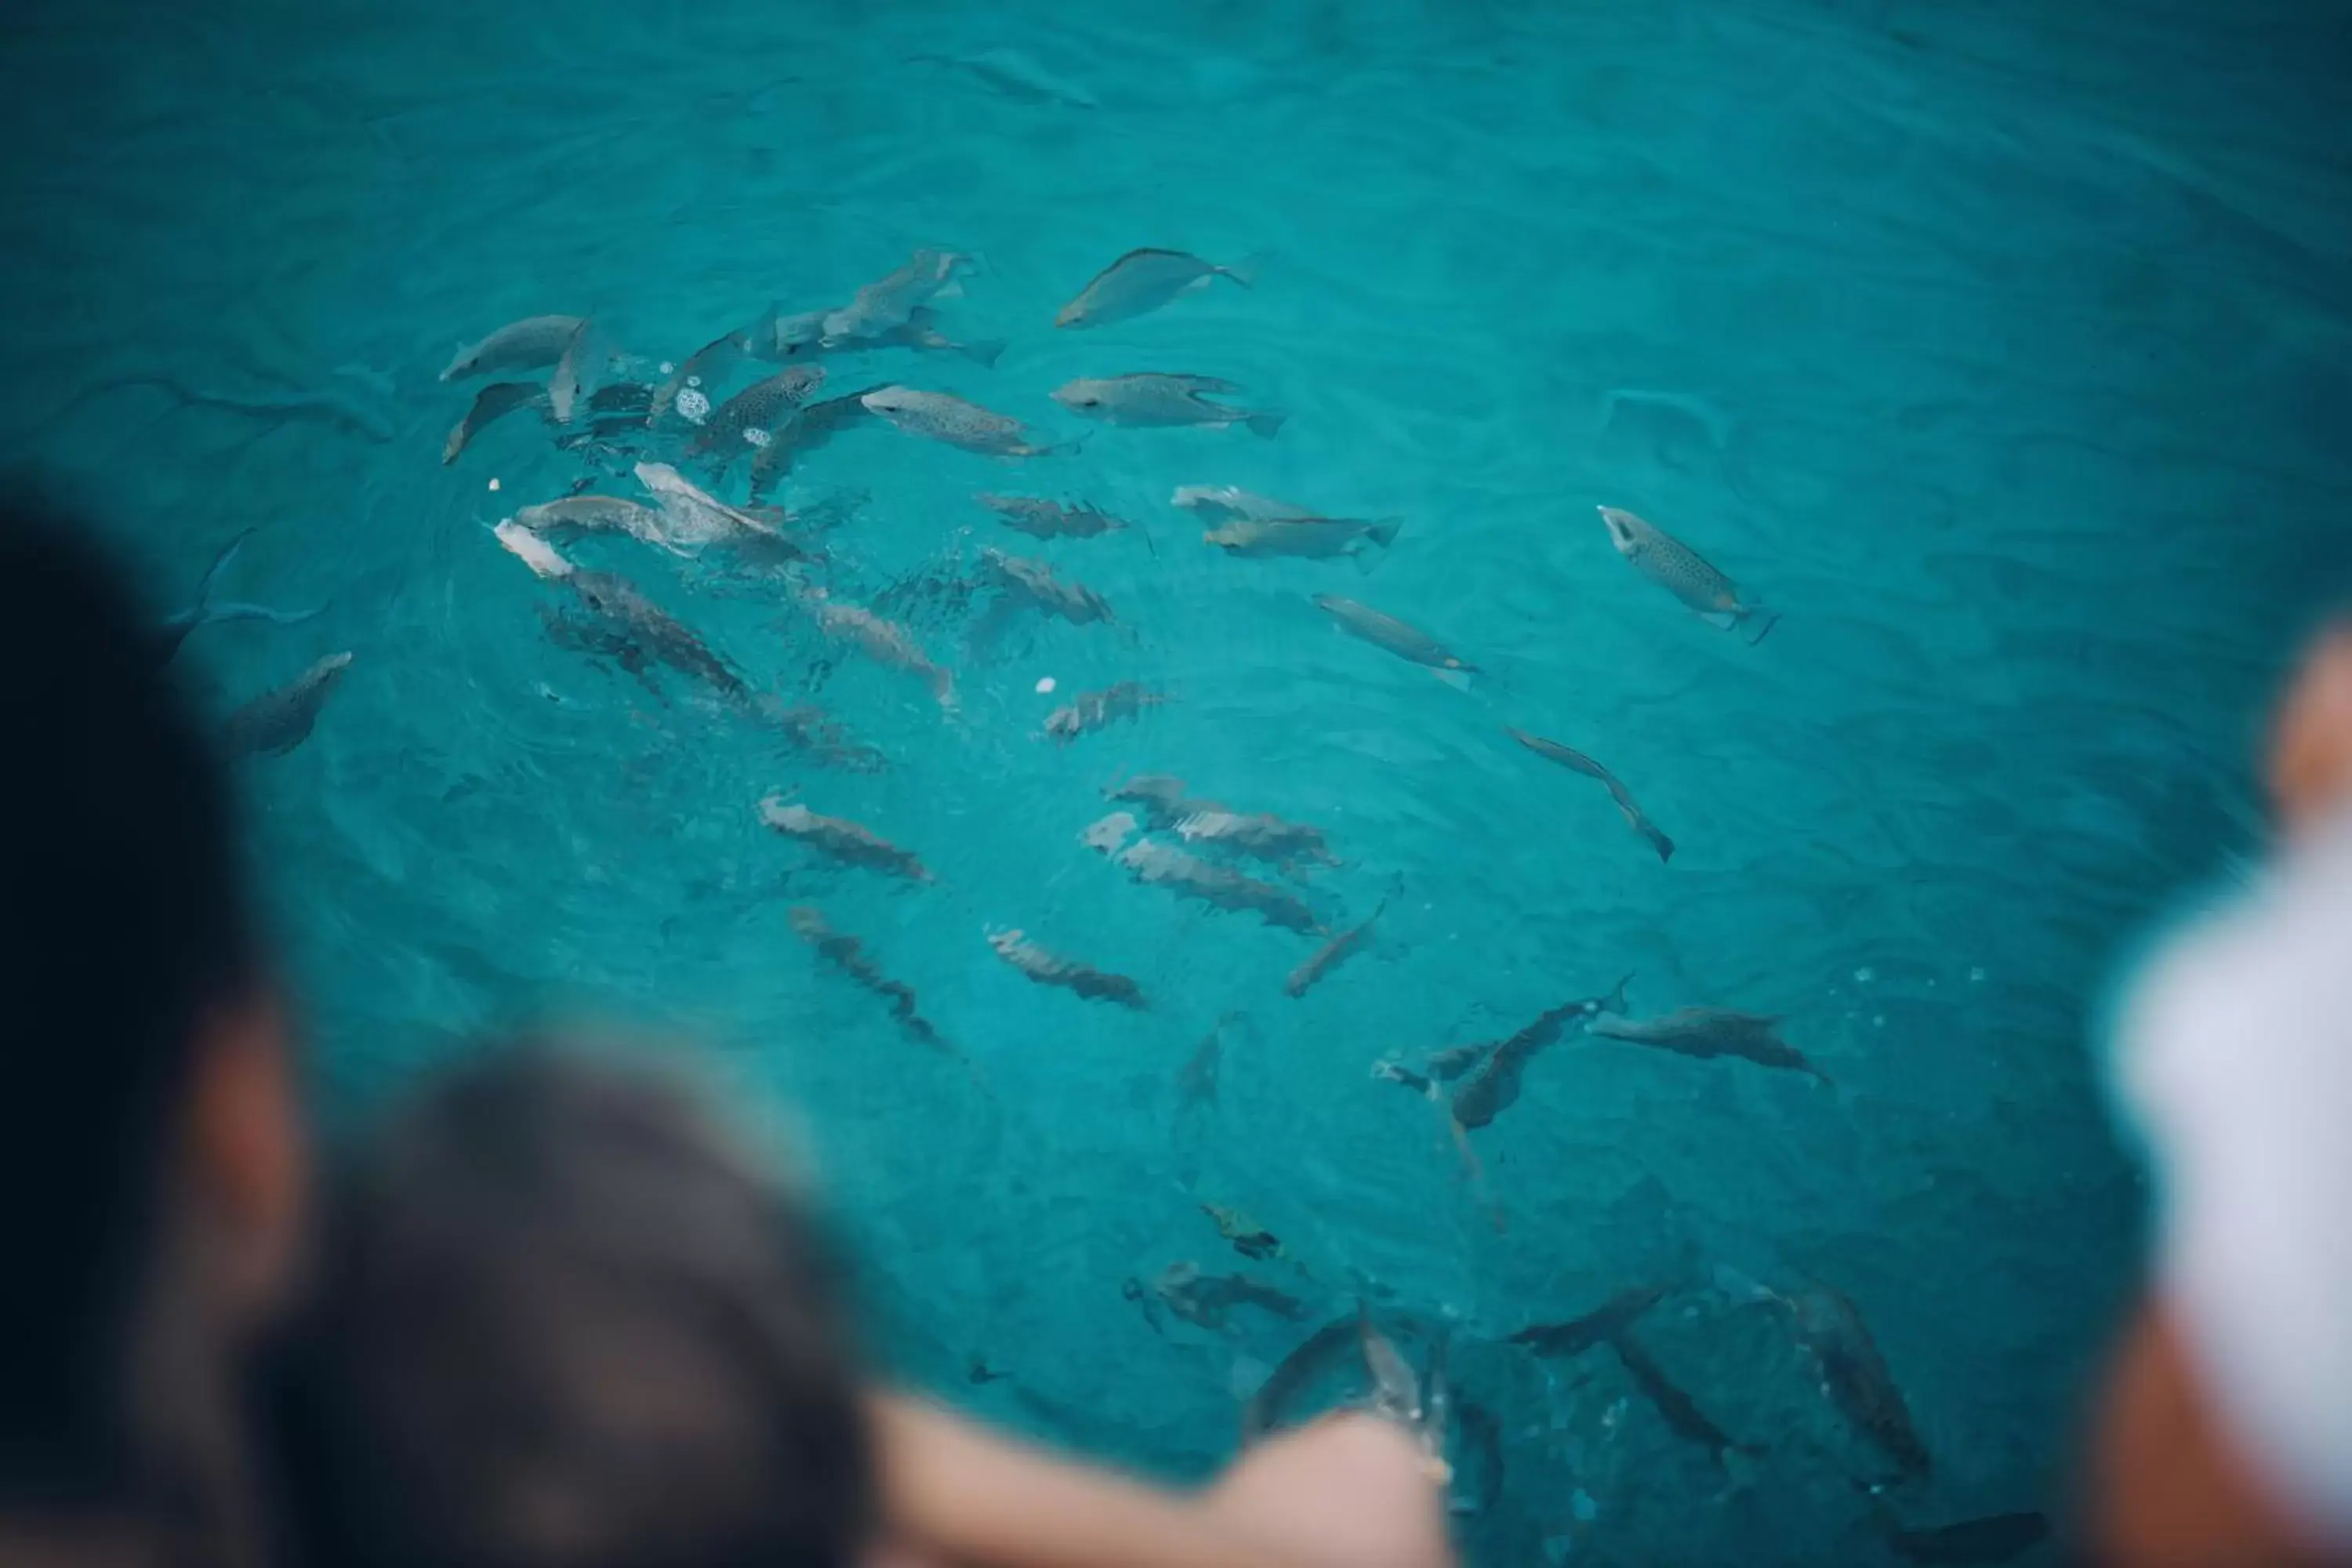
808,428
847,954
697,517
1706,1032
1396,1392
1221,887
1033,583
657,635
1406,642
1141,281
1153,398
1218,502
1332,954
534,343
579,370
751,417
1577,762
1046,969
493,403
1255,834
1049,519
886,642
800,338
1682,572
1855,1377
1493,1087
843,839
1606,1321
1094,709
533,550
1162,795
889,302
1196,1080
704,368
589,513
1312,538
943,417
275,722
1205,1300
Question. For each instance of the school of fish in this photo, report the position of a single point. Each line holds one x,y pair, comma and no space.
661,442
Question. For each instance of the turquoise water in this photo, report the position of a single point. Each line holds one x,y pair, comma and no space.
2000,349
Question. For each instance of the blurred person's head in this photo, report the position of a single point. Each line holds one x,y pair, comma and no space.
151,1162
563,1322
2311,741
2225,1434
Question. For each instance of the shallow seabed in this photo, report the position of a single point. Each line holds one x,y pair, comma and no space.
1999,349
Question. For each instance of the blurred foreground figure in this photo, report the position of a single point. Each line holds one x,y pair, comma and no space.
2227,1436
564,1322
150,1162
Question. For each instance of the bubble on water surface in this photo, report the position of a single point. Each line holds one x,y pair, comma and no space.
693,406
1045,684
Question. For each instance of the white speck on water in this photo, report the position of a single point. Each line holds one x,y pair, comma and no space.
494,484
692,406
694,380
1975,976
1583,1507
667,367
1865,977
1045,684
1878,1021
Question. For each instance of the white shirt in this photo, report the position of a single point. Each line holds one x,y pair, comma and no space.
2235,1054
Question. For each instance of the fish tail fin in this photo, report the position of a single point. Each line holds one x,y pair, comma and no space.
220,563
1770,620
1615,1001
1721,620
1383,533
982,351
1457,679
1658,840
1265,424
1364,561
1245,271
1069,448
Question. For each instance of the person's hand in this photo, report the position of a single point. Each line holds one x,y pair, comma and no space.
1348,1491
2311,744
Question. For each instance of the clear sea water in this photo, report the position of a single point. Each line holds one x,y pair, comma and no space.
2000,347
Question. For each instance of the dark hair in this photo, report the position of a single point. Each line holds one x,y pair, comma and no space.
561,1321
122,924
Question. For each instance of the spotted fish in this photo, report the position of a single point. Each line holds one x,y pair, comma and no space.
1682,572
275,722
955,421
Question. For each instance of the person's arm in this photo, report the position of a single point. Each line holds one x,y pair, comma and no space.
2167,1489
1342,1494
